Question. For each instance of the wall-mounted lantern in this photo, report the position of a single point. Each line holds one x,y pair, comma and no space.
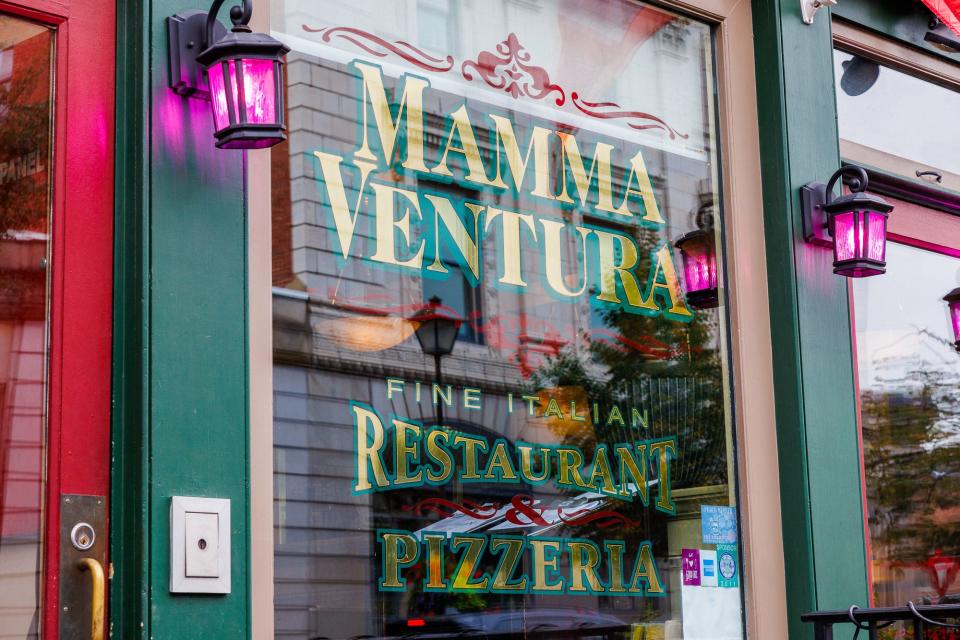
240,72
953,302
855,224
699,253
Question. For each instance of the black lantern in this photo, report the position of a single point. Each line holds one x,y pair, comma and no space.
953,303
243,74
855,224
437,329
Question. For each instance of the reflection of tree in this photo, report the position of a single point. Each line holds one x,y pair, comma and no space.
25,130
683,392
913,471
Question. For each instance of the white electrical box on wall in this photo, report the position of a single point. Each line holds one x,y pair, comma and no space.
199,545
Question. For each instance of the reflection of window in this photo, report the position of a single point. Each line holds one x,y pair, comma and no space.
455,288
672,39
457,294
433,21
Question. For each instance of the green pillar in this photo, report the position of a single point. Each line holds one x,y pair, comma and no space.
821,498
180,340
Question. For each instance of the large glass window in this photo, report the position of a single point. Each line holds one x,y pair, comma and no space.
496,412
909,375
908,370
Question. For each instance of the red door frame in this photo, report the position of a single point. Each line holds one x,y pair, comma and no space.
78,431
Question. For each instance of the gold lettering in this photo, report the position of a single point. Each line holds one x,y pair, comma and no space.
369,428
460,125
343,218
394,560
636,470
645,571
434,544
539,145
670,285
638,174
470,446
665,451
499,465
439,454
615,551
526,463
411,101
387,225
569,462
462,578
601,476
468,246
553,259
611,269
507,565
405,454
541,564
510,230
584,570
571,158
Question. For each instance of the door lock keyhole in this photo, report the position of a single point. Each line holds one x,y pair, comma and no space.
82,536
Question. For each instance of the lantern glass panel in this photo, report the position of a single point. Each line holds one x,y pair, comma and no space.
259,92
876,236
847,236
437,335
699,265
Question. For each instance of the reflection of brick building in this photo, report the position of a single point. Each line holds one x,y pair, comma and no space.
340,329
342,326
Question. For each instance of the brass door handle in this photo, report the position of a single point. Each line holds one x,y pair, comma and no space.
96,596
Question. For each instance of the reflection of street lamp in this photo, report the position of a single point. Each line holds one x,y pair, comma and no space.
437,332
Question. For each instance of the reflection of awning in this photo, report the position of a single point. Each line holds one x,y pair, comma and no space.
948,11
543,517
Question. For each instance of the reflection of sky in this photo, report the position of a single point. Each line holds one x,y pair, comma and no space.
884,117
902,320
660,70
903,330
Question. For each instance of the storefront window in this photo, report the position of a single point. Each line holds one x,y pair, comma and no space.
908,371
517,174
909,374
26,101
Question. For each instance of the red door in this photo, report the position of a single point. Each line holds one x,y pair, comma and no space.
56,229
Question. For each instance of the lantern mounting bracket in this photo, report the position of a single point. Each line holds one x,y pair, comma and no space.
186,38
815,195
816,229
192,32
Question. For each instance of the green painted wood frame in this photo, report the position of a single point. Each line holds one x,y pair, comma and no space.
820,477
180,423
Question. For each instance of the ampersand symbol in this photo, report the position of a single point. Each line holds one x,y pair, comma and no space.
526,506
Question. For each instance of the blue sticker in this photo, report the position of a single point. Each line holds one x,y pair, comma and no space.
718,524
